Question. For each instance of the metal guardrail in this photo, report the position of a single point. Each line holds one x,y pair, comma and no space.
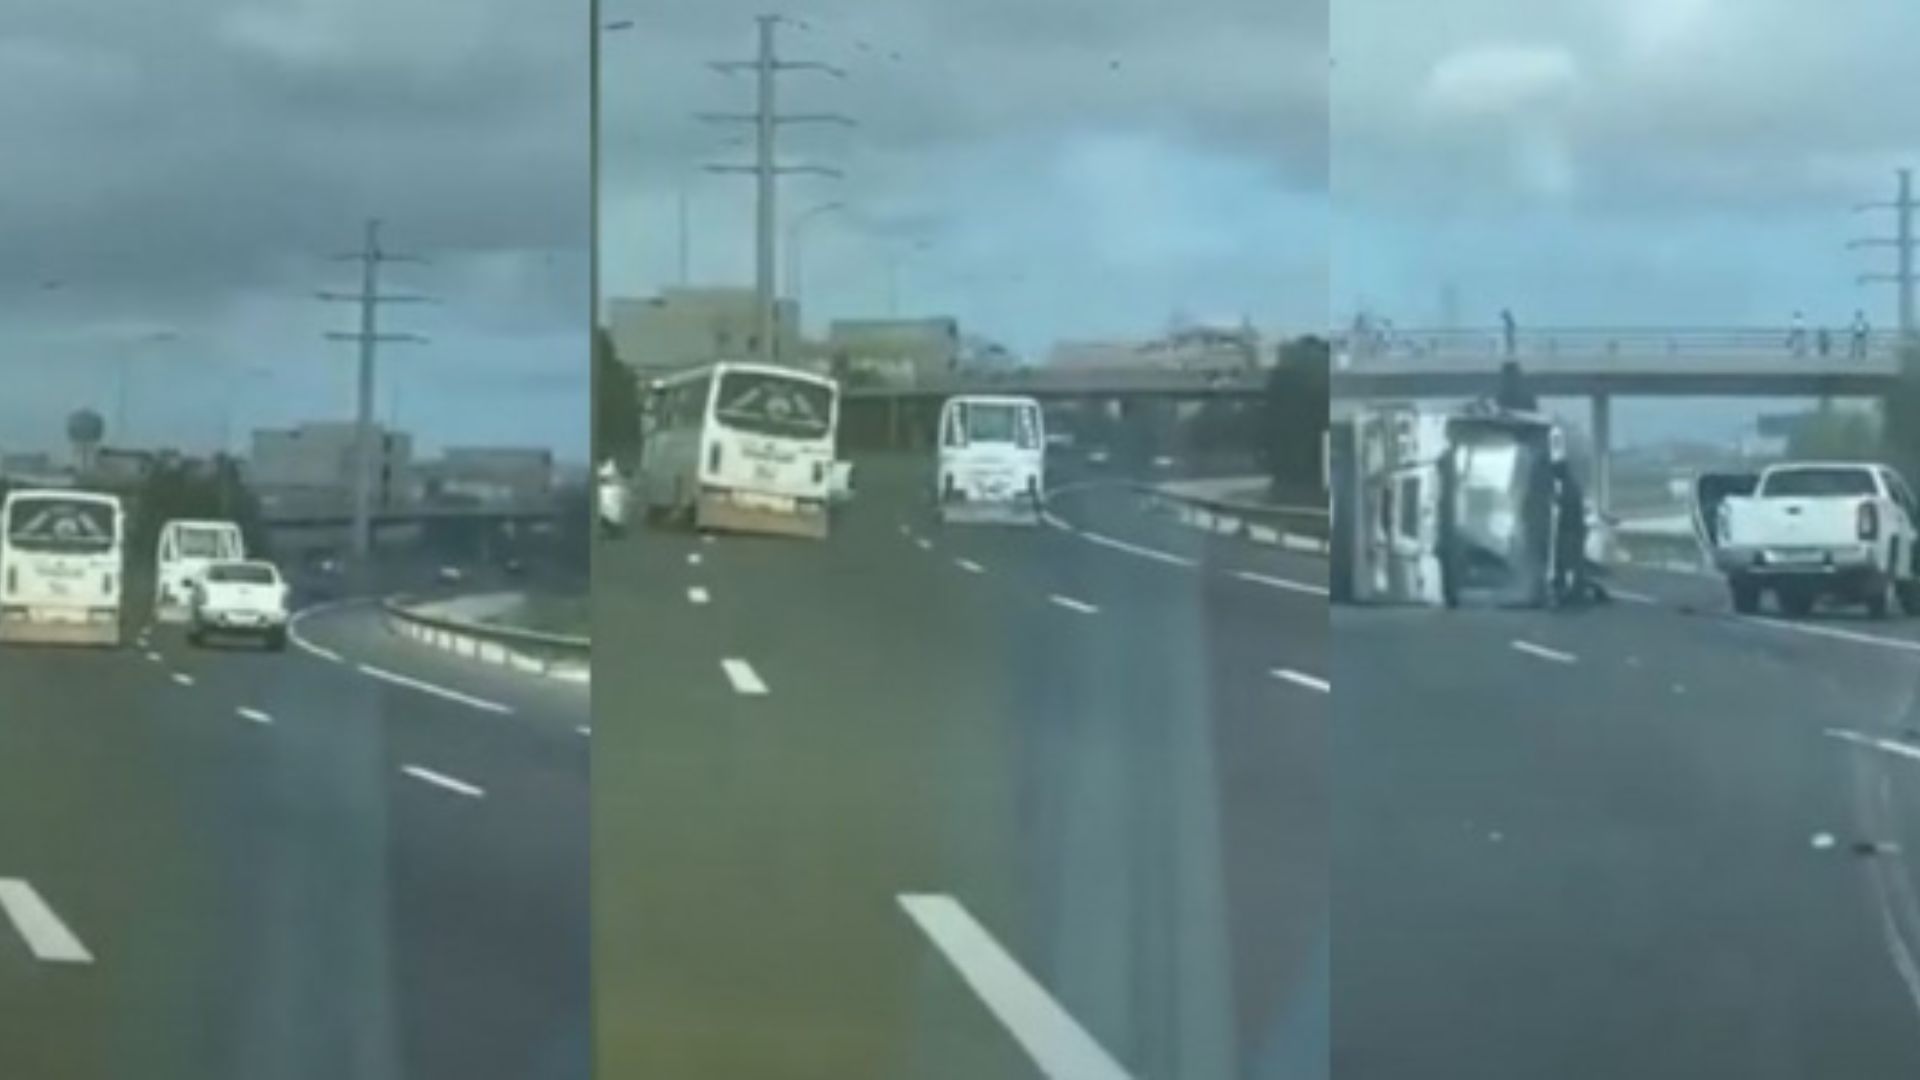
1601,343
533,652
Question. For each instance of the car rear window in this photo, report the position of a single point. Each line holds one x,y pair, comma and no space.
1816,483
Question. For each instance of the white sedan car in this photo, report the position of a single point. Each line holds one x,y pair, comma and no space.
240,599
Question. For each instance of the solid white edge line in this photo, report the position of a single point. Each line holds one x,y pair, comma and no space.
1071,604
1890,746
1135,549
442,780
1543,652
1058,1045
254,715
1287,584
429,688
46,936
1300,678
742,677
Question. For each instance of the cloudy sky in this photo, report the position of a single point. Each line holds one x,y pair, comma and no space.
188,168
1069,169
1635,162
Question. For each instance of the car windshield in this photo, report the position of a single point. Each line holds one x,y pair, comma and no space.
57,525
242,574
1818,483
760,403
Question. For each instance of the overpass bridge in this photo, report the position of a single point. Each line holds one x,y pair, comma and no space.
1602,363
310,526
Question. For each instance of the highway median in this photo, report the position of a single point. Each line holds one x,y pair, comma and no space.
532,634
1244,508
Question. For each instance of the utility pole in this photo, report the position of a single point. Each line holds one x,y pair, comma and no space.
767,121
1902,242
369,298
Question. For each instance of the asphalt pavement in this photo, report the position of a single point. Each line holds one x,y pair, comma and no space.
1651,839
358,858
960,802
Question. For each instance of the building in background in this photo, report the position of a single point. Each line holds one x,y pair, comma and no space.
899,351
688,327
313,464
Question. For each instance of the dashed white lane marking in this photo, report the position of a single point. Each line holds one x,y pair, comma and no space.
1301,678
254,715
46,936
1286,584
1135,549
1058,1045
707,538
1633,597
442,780
1544,653
429,688
1071,604
970,566
181,678
906,530
697,595
1890,746
923,543
153,657
583,731
742,677
693,558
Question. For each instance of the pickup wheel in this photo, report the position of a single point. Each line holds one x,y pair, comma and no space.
1882,597
1745,593
1797,603
276,641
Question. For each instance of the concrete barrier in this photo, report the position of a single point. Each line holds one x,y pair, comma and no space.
1216,506
455,625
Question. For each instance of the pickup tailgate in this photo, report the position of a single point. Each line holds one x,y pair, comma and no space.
1794,522
240,598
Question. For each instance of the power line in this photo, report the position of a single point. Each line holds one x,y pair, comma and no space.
1903,243
371,257
767,120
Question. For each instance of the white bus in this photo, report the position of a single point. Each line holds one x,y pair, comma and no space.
992,459
62,564
741,446
185,550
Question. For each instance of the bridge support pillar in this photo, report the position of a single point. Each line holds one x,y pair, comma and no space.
1602,436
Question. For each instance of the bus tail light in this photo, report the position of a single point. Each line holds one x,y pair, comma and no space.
1869,521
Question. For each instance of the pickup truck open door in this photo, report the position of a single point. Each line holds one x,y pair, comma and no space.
1710,490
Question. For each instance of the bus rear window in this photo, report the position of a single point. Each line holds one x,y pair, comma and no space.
60,526
206,544
763,404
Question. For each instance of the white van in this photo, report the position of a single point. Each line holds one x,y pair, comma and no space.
992,460
185,551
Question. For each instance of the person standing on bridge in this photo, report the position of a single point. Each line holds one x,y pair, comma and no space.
1825,343
1797,335
1509,332
1858,346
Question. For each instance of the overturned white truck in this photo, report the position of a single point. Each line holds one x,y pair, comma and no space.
1443,507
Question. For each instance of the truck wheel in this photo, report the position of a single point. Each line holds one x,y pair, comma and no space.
1909,592
1746,595
1797,603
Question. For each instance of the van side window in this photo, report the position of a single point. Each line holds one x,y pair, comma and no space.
1410,506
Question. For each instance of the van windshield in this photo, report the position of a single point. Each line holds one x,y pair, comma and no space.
206,543
1001,423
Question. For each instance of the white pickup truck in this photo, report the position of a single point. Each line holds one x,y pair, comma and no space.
241,598
1808,531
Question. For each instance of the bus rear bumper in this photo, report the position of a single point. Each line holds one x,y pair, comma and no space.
721,513
23,631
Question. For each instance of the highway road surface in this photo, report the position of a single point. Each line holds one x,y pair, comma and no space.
955,802
358,858
1649,840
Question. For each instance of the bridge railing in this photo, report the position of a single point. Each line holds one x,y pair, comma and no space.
1602,343
557,656
1298,528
